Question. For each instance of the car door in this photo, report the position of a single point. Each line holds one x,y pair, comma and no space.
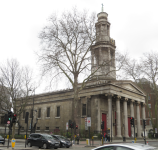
38,140
33,139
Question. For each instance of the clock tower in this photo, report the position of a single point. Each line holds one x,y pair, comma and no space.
103,51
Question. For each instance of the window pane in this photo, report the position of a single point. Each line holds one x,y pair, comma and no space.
58,111
48,112
47,128
83,109
107,148
122,148
39,113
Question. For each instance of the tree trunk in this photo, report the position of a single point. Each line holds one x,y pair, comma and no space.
74,104
13,130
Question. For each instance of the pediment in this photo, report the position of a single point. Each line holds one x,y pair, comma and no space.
130,86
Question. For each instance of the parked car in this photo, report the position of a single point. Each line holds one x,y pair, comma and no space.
42,140
125,146
2,140
64,142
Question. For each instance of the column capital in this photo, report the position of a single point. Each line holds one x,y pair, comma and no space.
143,104
132,101
118,97
126,99
138,103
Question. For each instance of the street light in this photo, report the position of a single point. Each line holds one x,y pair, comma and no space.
32,109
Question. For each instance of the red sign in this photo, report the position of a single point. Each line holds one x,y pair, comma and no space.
8,122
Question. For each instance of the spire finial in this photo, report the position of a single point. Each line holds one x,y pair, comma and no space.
102,8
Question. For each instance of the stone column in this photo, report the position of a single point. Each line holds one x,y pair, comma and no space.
109,112
138,121
143,111
118,123
132,115
125,118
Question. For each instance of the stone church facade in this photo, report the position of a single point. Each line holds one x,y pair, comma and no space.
103,99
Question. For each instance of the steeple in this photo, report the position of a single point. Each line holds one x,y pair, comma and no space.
103,51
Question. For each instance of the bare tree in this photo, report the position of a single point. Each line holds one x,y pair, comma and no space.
146,71
15,83
66,50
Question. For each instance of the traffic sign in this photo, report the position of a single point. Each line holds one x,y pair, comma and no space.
13,143
89,121
86,128
66,125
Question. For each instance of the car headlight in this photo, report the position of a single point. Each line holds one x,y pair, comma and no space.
51,142
63,141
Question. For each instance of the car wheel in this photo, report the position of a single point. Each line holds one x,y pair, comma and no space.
29,144
45,146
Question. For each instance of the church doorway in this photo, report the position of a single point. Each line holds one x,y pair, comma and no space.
104,119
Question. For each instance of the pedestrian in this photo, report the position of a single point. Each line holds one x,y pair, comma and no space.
78,138
105,136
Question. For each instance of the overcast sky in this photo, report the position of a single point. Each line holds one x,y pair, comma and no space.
134,25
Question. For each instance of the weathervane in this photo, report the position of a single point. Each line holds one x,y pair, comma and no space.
102,7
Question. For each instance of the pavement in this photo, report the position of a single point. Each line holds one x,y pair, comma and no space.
81,143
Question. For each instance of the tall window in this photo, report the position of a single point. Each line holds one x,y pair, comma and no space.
83,109
148,97
58,111
23,114
39,113
48,112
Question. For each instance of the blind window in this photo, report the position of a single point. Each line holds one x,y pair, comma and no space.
58,111
39,113
48,112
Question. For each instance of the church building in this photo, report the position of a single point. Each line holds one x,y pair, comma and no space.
103,99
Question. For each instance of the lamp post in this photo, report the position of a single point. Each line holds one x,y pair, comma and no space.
32,110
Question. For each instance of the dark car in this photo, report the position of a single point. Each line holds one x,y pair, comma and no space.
64,142
42,140
2,140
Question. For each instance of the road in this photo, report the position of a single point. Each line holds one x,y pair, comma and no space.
21,146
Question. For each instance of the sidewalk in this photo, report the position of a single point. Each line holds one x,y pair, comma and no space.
81,143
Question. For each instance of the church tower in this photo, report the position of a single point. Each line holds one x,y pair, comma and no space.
103,51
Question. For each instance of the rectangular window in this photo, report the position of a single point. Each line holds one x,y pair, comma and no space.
150,122
39,113
47,128
48,112
31,114
38,128
58,111
149,105
148,97
23,114
83,109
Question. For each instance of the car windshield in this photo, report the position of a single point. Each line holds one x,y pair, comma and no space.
61,137
48,137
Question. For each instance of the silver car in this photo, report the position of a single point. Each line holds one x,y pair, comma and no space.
125,146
